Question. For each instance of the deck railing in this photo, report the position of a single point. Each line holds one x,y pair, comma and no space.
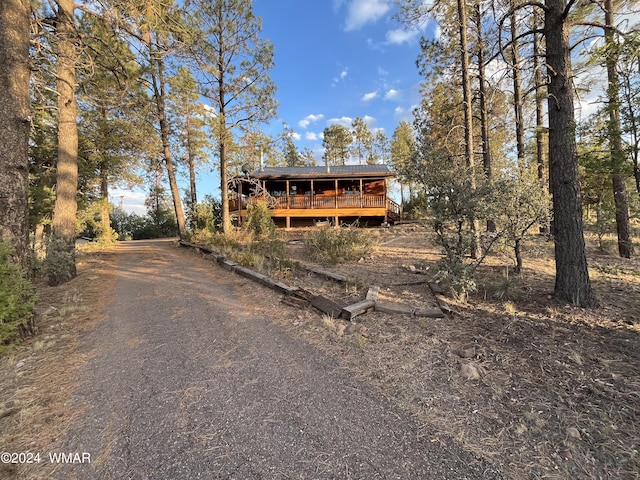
319,201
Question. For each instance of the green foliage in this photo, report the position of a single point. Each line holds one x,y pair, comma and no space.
205,215
258,221
60,263
506,288
517,203
17,298
338,244
336,142
92,224
454,274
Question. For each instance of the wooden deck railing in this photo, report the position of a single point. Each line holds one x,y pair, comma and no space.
319,201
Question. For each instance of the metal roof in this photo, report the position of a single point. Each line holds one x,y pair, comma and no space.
321,172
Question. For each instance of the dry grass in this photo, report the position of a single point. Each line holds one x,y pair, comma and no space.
38,378
542,389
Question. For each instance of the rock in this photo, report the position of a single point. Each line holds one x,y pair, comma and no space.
574,433
340,329
51,311
466,353
363,331
470,371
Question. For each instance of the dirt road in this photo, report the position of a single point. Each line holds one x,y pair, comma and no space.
189,378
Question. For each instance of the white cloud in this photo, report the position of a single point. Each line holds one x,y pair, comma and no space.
369,120
131,200
369,96
361,12
344,121
296,136
382,72
400,36
340,77
392,94
306,121
311,136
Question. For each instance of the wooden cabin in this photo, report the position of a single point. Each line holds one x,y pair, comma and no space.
302,196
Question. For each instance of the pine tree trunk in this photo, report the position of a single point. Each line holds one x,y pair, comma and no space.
66,206
572,275
468,117
14,127
517,91
484,114
625,245
540,127
159,93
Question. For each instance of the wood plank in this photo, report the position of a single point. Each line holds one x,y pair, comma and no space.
372,293
430,313
436,289
227,264
323,273
394,308
410,282
352,311
293,301
264,280
327,306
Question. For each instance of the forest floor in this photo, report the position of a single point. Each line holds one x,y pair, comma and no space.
539,388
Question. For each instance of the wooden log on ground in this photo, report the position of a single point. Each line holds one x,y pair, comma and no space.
352,311
227,264
304,294
436,289
264,280
430,313
327,306
443,304
394,308
182,243
372,293
336,277
410,282
294,301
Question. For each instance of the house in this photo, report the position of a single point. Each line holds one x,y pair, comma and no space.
301,196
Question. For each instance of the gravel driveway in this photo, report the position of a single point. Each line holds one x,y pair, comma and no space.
188,379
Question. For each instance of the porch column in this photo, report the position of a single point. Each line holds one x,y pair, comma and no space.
336,193
240,203
287,182
287,222
361,195
311,195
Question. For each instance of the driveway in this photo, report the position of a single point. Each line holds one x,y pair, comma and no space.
189,378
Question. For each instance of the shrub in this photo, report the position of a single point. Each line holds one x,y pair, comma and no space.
259,221
338,244
457,276
60,262
17,298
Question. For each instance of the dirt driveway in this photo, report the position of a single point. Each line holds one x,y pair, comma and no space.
189,378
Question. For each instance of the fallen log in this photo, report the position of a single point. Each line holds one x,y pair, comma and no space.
327,306
352,311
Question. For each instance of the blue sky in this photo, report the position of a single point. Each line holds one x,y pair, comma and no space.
337,60
334,60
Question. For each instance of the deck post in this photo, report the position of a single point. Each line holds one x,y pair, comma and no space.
287,222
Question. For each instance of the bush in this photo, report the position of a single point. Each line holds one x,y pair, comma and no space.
456,276
338,244
259,222
205,215
60,262
17,298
